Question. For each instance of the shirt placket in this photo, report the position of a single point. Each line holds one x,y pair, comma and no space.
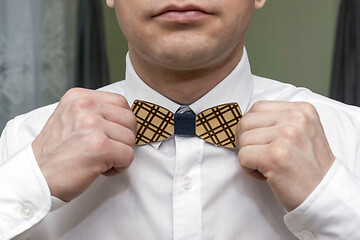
187,208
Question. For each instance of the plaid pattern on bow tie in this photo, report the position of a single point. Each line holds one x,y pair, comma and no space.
216,125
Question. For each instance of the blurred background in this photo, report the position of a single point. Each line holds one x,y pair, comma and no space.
49,46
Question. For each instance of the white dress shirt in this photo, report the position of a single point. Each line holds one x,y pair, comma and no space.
184,188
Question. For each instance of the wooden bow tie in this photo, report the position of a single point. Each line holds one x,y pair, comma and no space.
216,125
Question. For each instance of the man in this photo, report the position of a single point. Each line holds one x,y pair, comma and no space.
294,172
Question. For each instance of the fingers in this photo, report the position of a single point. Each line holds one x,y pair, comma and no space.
114,131
97,151
119,158
284,143
252,158
254,173
257,136
89,133
112,107
269,121
104,113
102,110
280,106
118,115
252,120
266,114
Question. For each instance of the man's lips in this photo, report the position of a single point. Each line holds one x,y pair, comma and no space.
182,13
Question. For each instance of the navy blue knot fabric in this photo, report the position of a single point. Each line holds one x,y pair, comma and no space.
184,121
184,124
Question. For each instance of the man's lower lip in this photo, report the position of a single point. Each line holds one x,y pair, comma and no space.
182,16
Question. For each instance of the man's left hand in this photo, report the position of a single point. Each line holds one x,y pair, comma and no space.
284,143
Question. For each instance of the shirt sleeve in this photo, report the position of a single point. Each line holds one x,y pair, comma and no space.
24,194
332,211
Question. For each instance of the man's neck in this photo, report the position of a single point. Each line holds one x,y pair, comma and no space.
185,86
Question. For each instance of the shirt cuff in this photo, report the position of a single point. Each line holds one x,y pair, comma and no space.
25,195
332,211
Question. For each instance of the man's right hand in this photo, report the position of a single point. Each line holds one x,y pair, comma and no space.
90,133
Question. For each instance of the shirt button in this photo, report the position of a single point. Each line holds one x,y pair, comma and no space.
187,182
306,235
27,211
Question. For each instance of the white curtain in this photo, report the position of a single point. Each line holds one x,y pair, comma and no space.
36,53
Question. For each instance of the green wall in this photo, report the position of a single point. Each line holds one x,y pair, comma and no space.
292,41
288,40
115,43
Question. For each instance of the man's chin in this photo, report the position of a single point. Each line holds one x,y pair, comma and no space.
184,61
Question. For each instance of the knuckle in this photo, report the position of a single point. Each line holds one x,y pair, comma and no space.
307,108
301,119
132,139
73,93
257,106
121,100
243,121
242,157
296,116
88,121
97,141
290,132
278,151
82,103
128,155
129,137
132,120
242,139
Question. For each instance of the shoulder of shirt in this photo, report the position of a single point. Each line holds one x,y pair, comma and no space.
272,90
117,87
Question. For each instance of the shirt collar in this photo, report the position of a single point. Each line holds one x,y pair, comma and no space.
136,89
236,87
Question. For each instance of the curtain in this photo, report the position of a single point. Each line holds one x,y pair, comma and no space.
91,61
345,85
36,54
47,47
